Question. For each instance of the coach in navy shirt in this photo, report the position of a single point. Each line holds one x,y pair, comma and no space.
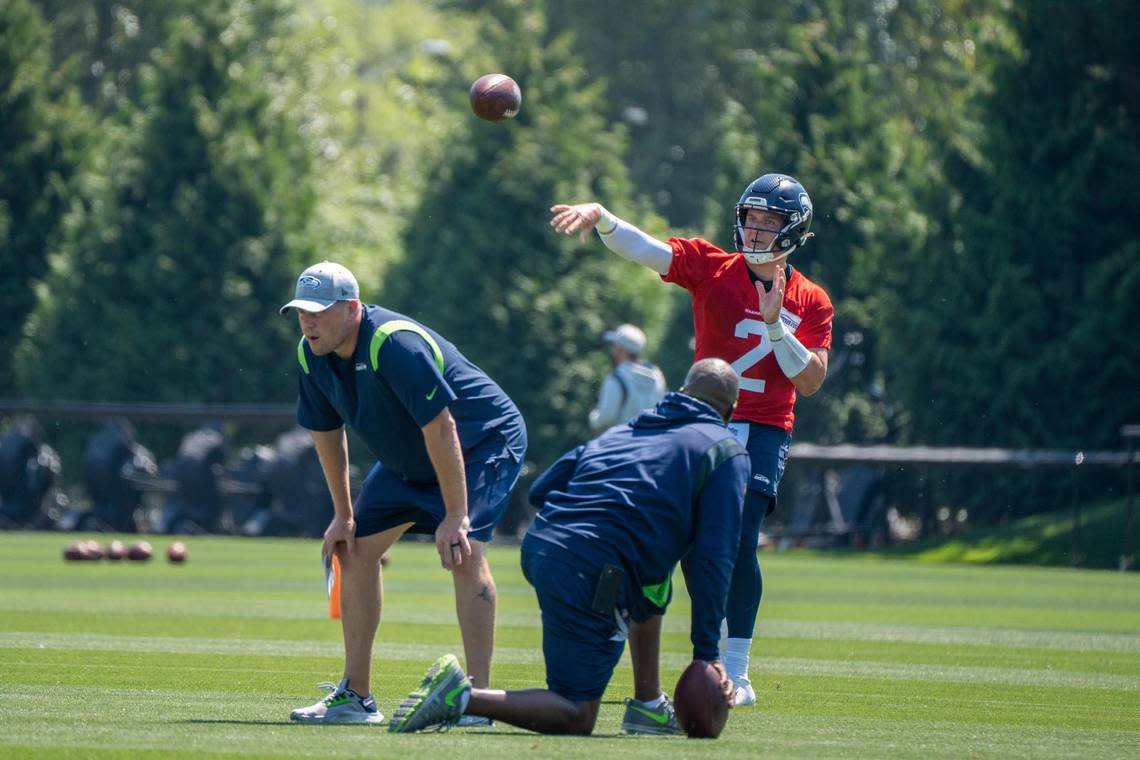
449,445
616,515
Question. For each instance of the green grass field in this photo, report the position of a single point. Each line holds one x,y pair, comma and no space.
855,657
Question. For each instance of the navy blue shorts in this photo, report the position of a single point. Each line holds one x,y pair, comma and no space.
767,447
387,500
581,647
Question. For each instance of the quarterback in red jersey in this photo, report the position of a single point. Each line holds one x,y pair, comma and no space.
729,324
770,322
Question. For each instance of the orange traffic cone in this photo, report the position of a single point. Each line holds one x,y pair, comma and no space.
334,591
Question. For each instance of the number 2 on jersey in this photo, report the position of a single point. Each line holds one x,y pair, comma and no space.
753,356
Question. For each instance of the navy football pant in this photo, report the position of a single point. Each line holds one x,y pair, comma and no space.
768,449
747,584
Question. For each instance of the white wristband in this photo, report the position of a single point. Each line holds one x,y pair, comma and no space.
607,223
791,355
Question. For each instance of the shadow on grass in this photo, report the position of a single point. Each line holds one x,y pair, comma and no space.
231,722
521,733
1044,539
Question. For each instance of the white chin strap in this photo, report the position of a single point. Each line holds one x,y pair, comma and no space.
765,257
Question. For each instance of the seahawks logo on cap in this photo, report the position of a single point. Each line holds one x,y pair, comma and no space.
308,281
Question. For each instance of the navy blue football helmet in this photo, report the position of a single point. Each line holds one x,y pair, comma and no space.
783,195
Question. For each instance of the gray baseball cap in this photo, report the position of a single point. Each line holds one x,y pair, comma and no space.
322,285
630,337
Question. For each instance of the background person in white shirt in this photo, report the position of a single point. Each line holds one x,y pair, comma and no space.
635,384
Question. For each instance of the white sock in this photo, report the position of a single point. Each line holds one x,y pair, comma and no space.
652,704
735,654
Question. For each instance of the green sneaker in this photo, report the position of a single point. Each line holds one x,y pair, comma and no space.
438,702
639,718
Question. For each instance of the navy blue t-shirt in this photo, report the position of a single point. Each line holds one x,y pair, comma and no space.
668,484
400,378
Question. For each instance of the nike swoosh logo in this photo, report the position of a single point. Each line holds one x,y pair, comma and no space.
661,719
450,698
431,395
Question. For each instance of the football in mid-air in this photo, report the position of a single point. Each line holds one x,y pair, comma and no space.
699,701
495,97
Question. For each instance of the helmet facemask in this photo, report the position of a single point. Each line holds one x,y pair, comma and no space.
782,242
780,195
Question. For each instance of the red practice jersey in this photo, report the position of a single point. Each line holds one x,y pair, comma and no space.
728,325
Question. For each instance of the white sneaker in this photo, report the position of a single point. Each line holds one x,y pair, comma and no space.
745,695
340,705
474,721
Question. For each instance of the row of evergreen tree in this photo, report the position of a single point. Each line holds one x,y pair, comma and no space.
167,168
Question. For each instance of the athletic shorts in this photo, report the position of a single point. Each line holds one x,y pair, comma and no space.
767,448
581,647
386,499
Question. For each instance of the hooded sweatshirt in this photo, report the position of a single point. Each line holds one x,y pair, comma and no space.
669,484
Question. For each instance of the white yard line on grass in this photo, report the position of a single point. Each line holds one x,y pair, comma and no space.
788,666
